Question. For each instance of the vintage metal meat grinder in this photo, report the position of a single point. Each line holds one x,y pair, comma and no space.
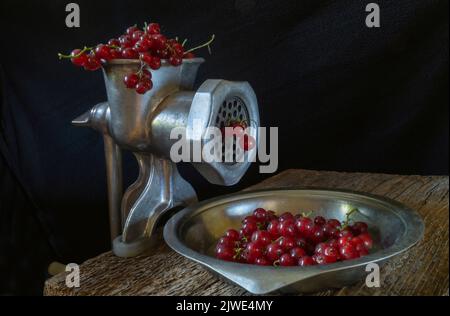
142,124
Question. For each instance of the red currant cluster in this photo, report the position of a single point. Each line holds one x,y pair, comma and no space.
147,44
238,129
289,240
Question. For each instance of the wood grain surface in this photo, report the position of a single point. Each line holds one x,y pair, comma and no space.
423,270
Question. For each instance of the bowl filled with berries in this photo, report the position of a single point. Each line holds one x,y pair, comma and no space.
293,240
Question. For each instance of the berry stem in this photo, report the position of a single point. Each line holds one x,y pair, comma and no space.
347,217
61,56
84,50
203,45
238,253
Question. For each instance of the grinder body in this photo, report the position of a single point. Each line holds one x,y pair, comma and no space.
142,124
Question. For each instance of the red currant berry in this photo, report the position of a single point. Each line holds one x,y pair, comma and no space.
306,261
249,218
260,214
362,251
319,258
130,53
359,228
136,36
261,237
334,222
80,60
355,241
247,142
92,63
327,229
330,231
114,42
159,41
125,41
286,260
297,252
304,227
345,232
163,53
319,220
143,86
131,81
146,74
253,251
274,252
141,46
226,241
103,52
344,240
286,228
318,235
131,30
153,28
178,49
232,234
348,251
155,63
286,243
367,239
333,233
146,58
286,216
331,254
248,228
301,242
148,41
320,248
116,53
225,253
261,261
333,243
272,228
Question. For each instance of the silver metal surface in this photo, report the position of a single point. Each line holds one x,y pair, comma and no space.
142,124
113,157
194,231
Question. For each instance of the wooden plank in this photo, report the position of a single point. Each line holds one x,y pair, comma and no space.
423,270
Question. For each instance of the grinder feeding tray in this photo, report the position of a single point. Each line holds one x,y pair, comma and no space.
143,125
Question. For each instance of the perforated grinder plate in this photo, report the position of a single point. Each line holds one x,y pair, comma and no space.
232,109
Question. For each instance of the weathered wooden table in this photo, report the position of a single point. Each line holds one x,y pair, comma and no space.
423,270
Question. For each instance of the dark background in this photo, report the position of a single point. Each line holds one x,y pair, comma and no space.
345,97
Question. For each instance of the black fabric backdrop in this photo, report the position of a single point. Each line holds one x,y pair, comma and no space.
345,97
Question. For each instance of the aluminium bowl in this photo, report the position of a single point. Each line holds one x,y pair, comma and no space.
194,231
